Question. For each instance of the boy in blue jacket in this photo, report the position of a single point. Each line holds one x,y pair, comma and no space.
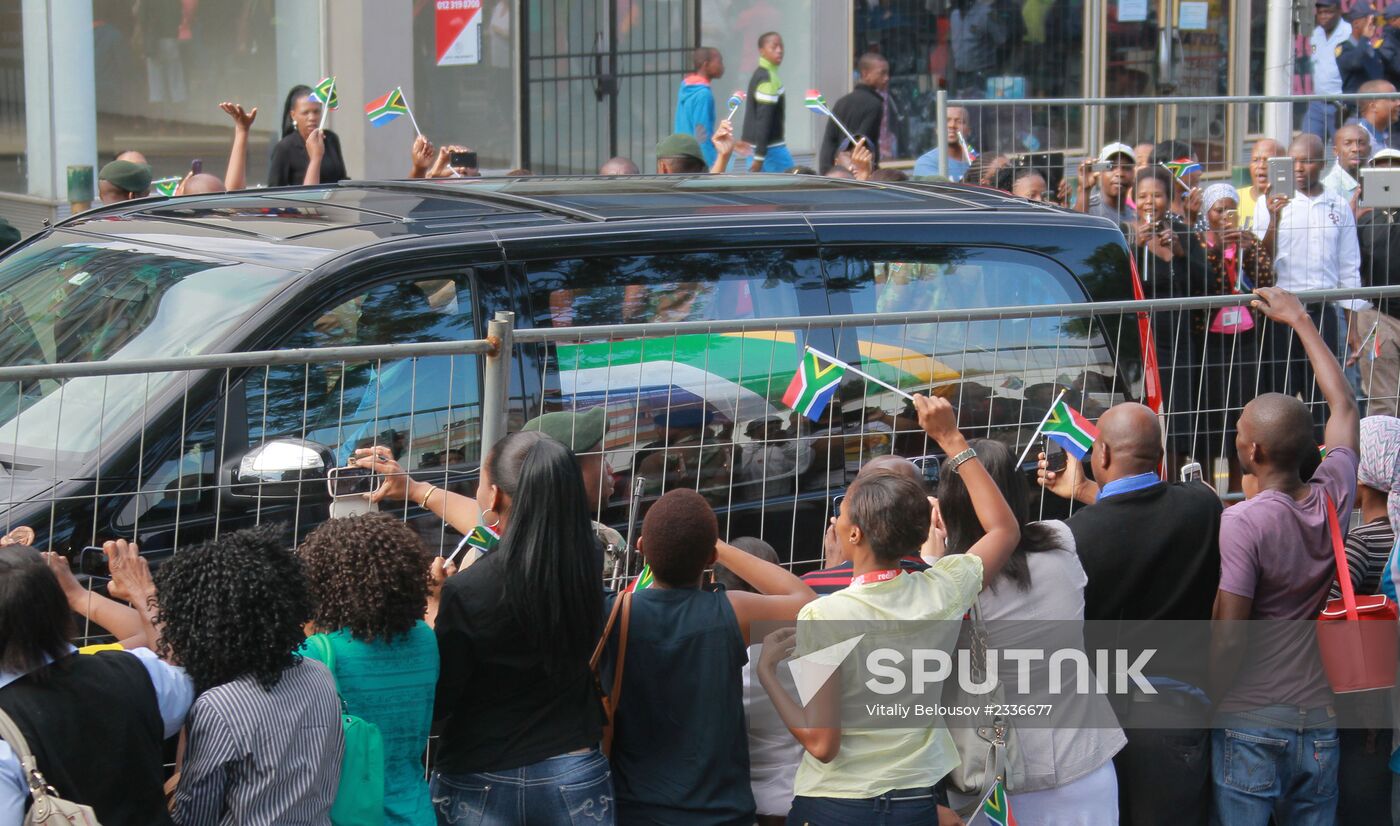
695,105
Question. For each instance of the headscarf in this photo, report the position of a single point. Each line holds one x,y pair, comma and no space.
1212,196
1380,461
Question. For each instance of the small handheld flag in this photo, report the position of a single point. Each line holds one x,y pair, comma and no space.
817,104
1371,344
484,538
166,186
735,101
972,154
1180,168
813,386
1069,427
389,107
645,579
995,809
324,94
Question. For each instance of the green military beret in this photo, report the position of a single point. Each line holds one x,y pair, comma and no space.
128,176
680,145
579,431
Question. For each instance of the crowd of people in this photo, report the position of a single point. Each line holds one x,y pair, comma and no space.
302,686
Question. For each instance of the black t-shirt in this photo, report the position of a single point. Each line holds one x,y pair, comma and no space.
503,707
289,161
1378,232
1151,555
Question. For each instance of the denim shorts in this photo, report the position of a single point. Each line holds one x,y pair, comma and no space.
571,788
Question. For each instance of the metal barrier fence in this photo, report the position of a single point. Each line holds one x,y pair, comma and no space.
159,450
1056,134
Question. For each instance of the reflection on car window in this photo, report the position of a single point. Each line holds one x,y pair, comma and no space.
1001,374
681,407
69,298
427,410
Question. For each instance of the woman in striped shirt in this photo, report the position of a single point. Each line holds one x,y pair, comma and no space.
264,735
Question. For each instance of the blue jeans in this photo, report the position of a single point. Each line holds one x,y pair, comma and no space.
566,789
902,807
1321,119
1279,760
777,159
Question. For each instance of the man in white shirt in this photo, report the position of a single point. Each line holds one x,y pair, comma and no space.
1351,145
1316,248
1331,32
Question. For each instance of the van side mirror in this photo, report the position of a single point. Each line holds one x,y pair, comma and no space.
280,469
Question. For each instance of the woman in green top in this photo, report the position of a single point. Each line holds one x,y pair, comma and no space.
369,581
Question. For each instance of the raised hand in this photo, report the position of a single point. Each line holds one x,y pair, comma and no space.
131,574
422,156
241,119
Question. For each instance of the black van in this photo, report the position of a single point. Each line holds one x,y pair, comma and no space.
153,457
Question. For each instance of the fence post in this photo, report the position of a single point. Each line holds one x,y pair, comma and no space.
940,130
496,380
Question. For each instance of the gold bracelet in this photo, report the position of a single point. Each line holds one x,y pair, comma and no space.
427,496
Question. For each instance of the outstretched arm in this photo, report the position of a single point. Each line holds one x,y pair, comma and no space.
461,512
1344,420
781,593
235,177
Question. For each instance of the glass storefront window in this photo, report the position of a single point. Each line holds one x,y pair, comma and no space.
13,177
162,66
470,104
979,49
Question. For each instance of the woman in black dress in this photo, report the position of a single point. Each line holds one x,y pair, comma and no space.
307,154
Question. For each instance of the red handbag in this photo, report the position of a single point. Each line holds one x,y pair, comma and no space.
1355,635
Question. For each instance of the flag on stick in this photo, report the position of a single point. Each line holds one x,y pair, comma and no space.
971,154
166,186
735,101
484,538
324,94
995,809
1068,426
817,103
391,106
813,385
1371,344
1180,168
645,579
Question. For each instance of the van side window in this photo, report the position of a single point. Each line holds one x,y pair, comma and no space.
1000,373
179,486
680,407
427,409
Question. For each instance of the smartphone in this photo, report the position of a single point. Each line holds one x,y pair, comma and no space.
351,481
196,166
92,562
1232,218
1100,166
1192,473
836,505
462,160
931,468
1056,459
1281,177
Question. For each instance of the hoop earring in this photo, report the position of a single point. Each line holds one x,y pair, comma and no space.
494,522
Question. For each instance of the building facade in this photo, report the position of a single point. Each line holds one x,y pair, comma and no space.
558,86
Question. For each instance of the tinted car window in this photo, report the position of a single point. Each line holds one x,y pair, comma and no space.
427,410
1001,374
679,406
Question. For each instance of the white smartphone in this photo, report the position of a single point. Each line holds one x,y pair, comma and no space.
1192,473
350,488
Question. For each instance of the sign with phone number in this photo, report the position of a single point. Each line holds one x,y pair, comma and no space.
458,25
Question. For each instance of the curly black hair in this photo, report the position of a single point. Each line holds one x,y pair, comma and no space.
368,574
232,607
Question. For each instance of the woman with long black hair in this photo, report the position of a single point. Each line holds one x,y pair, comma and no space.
306,154
521,720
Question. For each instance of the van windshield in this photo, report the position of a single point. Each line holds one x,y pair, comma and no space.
76,298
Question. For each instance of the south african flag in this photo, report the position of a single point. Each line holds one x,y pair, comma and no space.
645,579
1181,167
384,109
994,810
324,93
166,186
813,386
483,538
816,102
1069,427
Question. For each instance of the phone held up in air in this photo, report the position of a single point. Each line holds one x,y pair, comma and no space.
462,160
1056,459
1192,473
350,489
1281,177
196,166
